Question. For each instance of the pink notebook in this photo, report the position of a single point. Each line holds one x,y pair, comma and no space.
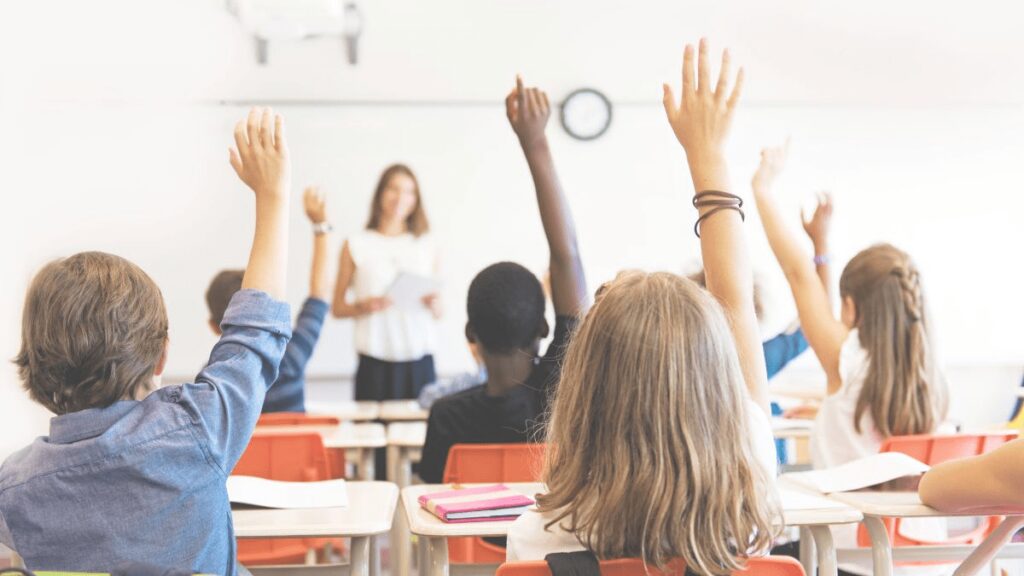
477,504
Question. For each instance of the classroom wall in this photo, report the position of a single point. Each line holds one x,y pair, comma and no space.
909,113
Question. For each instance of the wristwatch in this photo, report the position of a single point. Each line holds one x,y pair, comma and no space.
322,228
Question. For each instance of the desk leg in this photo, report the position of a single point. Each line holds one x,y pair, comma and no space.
374,556
392,475
807,556
400,542
826,550
360,556
881,549
366,465
404,467
437,554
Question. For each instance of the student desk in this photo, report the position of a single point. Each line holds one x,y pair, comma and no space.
405,443
402,410
879,504
357,439
371,507
814,515
358,411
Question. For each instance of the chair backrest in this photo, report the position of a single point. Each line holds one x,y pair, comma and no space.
296,419
766,566
494,463
286,457
935,449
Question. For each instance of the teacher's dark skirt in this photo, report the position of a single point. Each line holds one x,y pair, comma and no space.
382,380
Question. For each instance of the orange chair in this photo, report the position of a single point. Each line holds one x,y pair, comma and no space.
335,457
935,449
290,458
488,463
766,566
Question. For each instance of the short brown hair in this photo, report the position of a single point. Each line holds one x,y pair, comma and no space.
417,221
93,330
219,294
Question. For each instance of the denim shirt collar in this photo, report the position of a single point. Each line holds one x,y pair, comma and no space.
89,423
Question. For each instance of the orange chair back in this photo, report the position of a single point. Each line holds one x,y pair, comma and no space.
933,449
290,458
488,463
296,419
766,566
493,463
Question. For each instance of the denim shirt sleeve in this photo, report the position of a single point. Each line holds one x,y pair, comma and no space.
5,533
783,348
303,342
228,394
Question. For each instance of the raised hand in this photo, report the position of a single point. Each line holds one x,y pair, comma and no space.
702,116
818,225
528,110
315,204
773,161
261,155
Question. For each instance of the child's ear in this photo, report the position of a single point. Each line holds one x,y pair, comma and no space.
215,327
471,334
162,363
848,313
544,329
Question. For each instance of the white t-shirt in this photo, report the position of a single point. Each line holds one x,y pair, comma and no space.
528,539
394,334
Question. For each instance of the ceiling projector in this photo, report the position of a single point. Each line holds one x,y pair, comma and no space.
292,20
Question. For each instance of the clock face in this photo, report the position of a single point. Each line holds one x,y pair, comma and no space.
586,114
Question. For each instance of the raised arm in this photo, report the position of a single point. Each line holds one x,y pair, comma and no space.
824,332
528,110
701,119
987,482
261,161
316,211
817,228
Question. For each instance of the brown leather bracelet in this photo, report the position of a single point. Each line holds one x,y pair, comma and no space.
705,193
696,225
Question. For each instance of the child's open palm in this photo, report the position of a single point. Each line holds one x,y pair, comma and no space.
261,155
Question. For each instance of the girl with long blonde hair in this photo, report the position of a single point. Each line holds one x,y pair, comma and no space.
659,445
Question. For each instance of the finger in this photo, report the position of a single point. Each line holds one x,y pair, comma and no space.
511,104
545,103
703,67
737,89
520,92
267,129
669,100
687,70
253,127
723,77
241,141
235,160
279,143
534,100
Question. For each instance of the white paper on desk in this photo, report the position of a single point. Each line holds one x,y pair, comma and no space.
408,290
860,473
276,494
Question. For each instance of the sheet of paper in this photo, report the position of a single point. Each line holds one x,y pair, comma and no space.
791,424
861,473
408,290
276,494
797,500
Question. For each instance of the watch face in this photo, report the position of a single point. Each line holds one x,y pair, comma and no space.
586,114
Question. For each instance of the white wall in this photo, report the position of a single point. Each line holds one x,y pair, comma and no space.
910,113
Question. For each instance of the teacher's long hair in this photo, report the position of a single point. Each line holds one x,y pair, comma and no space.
417,221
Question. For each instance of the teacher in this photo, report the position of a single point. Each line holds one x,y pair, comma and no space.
395,343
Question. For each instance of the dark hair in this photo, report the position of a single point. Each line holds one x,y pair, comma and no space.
92,333
506,308
417,221
701,279
222,288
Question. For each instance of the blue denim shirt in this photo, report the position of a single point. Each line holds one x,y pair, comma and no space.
144,481
288,394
